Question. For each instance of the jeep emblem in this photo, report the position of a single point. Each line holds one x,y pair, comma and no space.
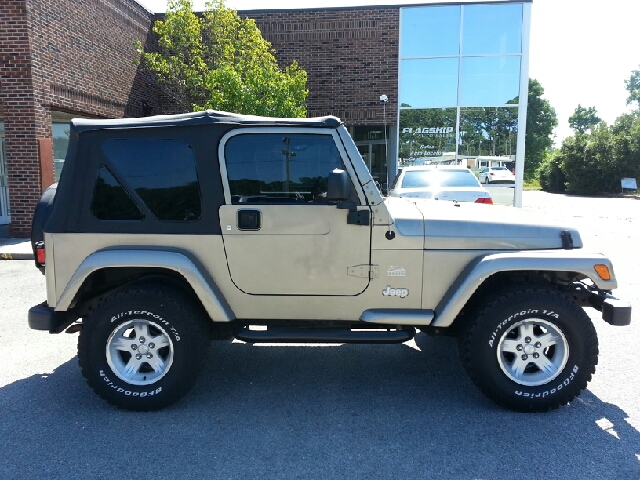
395,292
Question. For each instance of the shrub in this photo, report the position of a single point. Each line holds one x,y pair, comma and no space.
551,175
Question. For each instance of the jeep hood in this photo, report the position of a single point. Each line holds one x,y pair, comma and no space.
469,226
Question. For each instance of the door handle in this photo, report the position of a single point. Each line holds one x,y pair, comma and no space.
249,219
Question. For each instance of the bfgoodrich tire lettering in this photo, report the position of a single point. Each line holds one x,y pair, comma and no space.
529,349
143,347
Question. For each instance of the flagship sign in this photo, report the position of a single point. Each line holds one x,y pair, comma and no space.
431,131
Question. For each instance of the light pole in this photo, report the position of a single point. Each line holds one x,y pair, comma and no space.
384,99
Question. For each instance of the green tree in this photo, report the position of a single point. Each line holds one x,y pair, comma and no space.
541,120
584,119
221,61
632,84
551,173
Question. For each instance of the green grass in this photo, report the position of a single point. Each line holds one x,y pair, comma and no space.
532,185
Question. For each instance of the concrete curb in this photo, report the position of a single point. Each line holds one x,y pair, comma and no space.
15,249
16,256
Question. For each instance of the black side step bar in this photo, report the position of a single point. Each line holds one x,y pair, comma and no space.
324,335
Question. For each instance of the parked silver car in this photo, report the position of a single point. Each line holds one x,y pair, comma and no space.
439,182
496,175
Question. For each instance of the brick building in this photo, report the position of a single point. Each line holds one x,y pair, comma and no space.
76,58
59,60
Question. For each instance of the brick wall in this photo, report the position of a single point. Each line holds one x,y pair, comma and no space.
74,56
21,111
349,54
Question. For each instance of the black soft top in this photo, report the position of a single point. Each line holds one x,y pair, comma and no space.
206,117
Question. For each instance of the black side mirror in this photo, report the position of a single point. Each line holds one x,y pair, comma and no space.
339,187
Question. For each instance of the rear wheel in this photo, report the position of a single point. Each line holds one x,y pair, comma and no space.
142,348
486,181
530,349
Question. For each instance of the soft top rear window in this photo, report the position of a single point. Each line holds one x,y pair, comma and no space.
161,172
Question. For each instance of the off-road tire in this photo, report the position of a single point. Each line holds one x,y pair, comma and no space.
496,333
120,323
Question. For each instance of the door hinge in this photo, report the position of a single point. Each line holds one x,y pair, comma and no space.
363,271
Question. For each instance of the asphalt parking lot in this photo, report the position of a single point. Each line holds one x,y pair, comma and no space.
314,412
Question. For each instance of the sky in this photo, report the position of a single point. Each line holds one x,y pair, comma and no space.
581,51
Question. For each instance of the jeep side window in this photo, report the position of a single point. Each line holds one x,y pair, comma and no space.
161,172
280,168
111,201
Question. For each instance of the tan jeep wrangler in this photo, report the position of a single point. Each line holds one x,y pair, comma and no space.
167,232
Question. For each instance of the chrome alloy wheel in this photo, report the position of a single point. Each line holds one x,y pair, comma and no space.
139,352
533,352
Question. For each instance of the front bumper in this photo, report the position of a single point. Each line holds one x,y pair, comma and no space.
614,311
43,317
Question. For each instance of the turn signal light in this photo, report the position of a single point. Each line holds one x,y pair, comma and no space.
486,200
603,272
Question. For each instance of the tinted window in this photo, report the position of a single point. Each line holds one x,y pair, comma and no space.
439,178
111,201
162,172
492,29
280,168
429,83
430,31
489,80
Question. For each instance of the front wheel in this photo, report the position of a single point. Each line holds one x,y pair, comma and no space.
529,349
142,348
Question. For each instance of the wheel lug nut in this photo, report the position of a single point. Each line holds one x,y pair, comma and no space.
527,340
152,345
134,347
538,345
149,355
519,348
536,355
524,357
142,339
138,356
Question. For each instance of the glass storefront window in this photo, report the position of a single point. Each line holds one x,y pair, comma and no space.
492,30
427,135
489,80
60,133
430,32
429,83
488,132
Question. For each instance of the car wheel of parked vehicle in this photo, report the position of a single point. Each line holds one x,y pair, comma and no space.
530,349
143,347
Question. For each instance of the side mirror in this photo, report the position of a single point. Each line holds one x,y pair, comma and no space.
339,187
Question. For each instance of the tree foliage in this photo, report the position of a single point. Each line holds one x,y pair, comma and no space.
584,119
221,61
551,174
632,84
595,162
541,120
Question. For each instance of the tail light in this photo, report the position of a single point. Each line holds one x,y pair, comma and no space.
40,255
486,200
491,173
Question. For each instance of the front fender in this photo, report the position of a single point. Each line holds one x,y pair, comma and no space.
485,266
206,290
